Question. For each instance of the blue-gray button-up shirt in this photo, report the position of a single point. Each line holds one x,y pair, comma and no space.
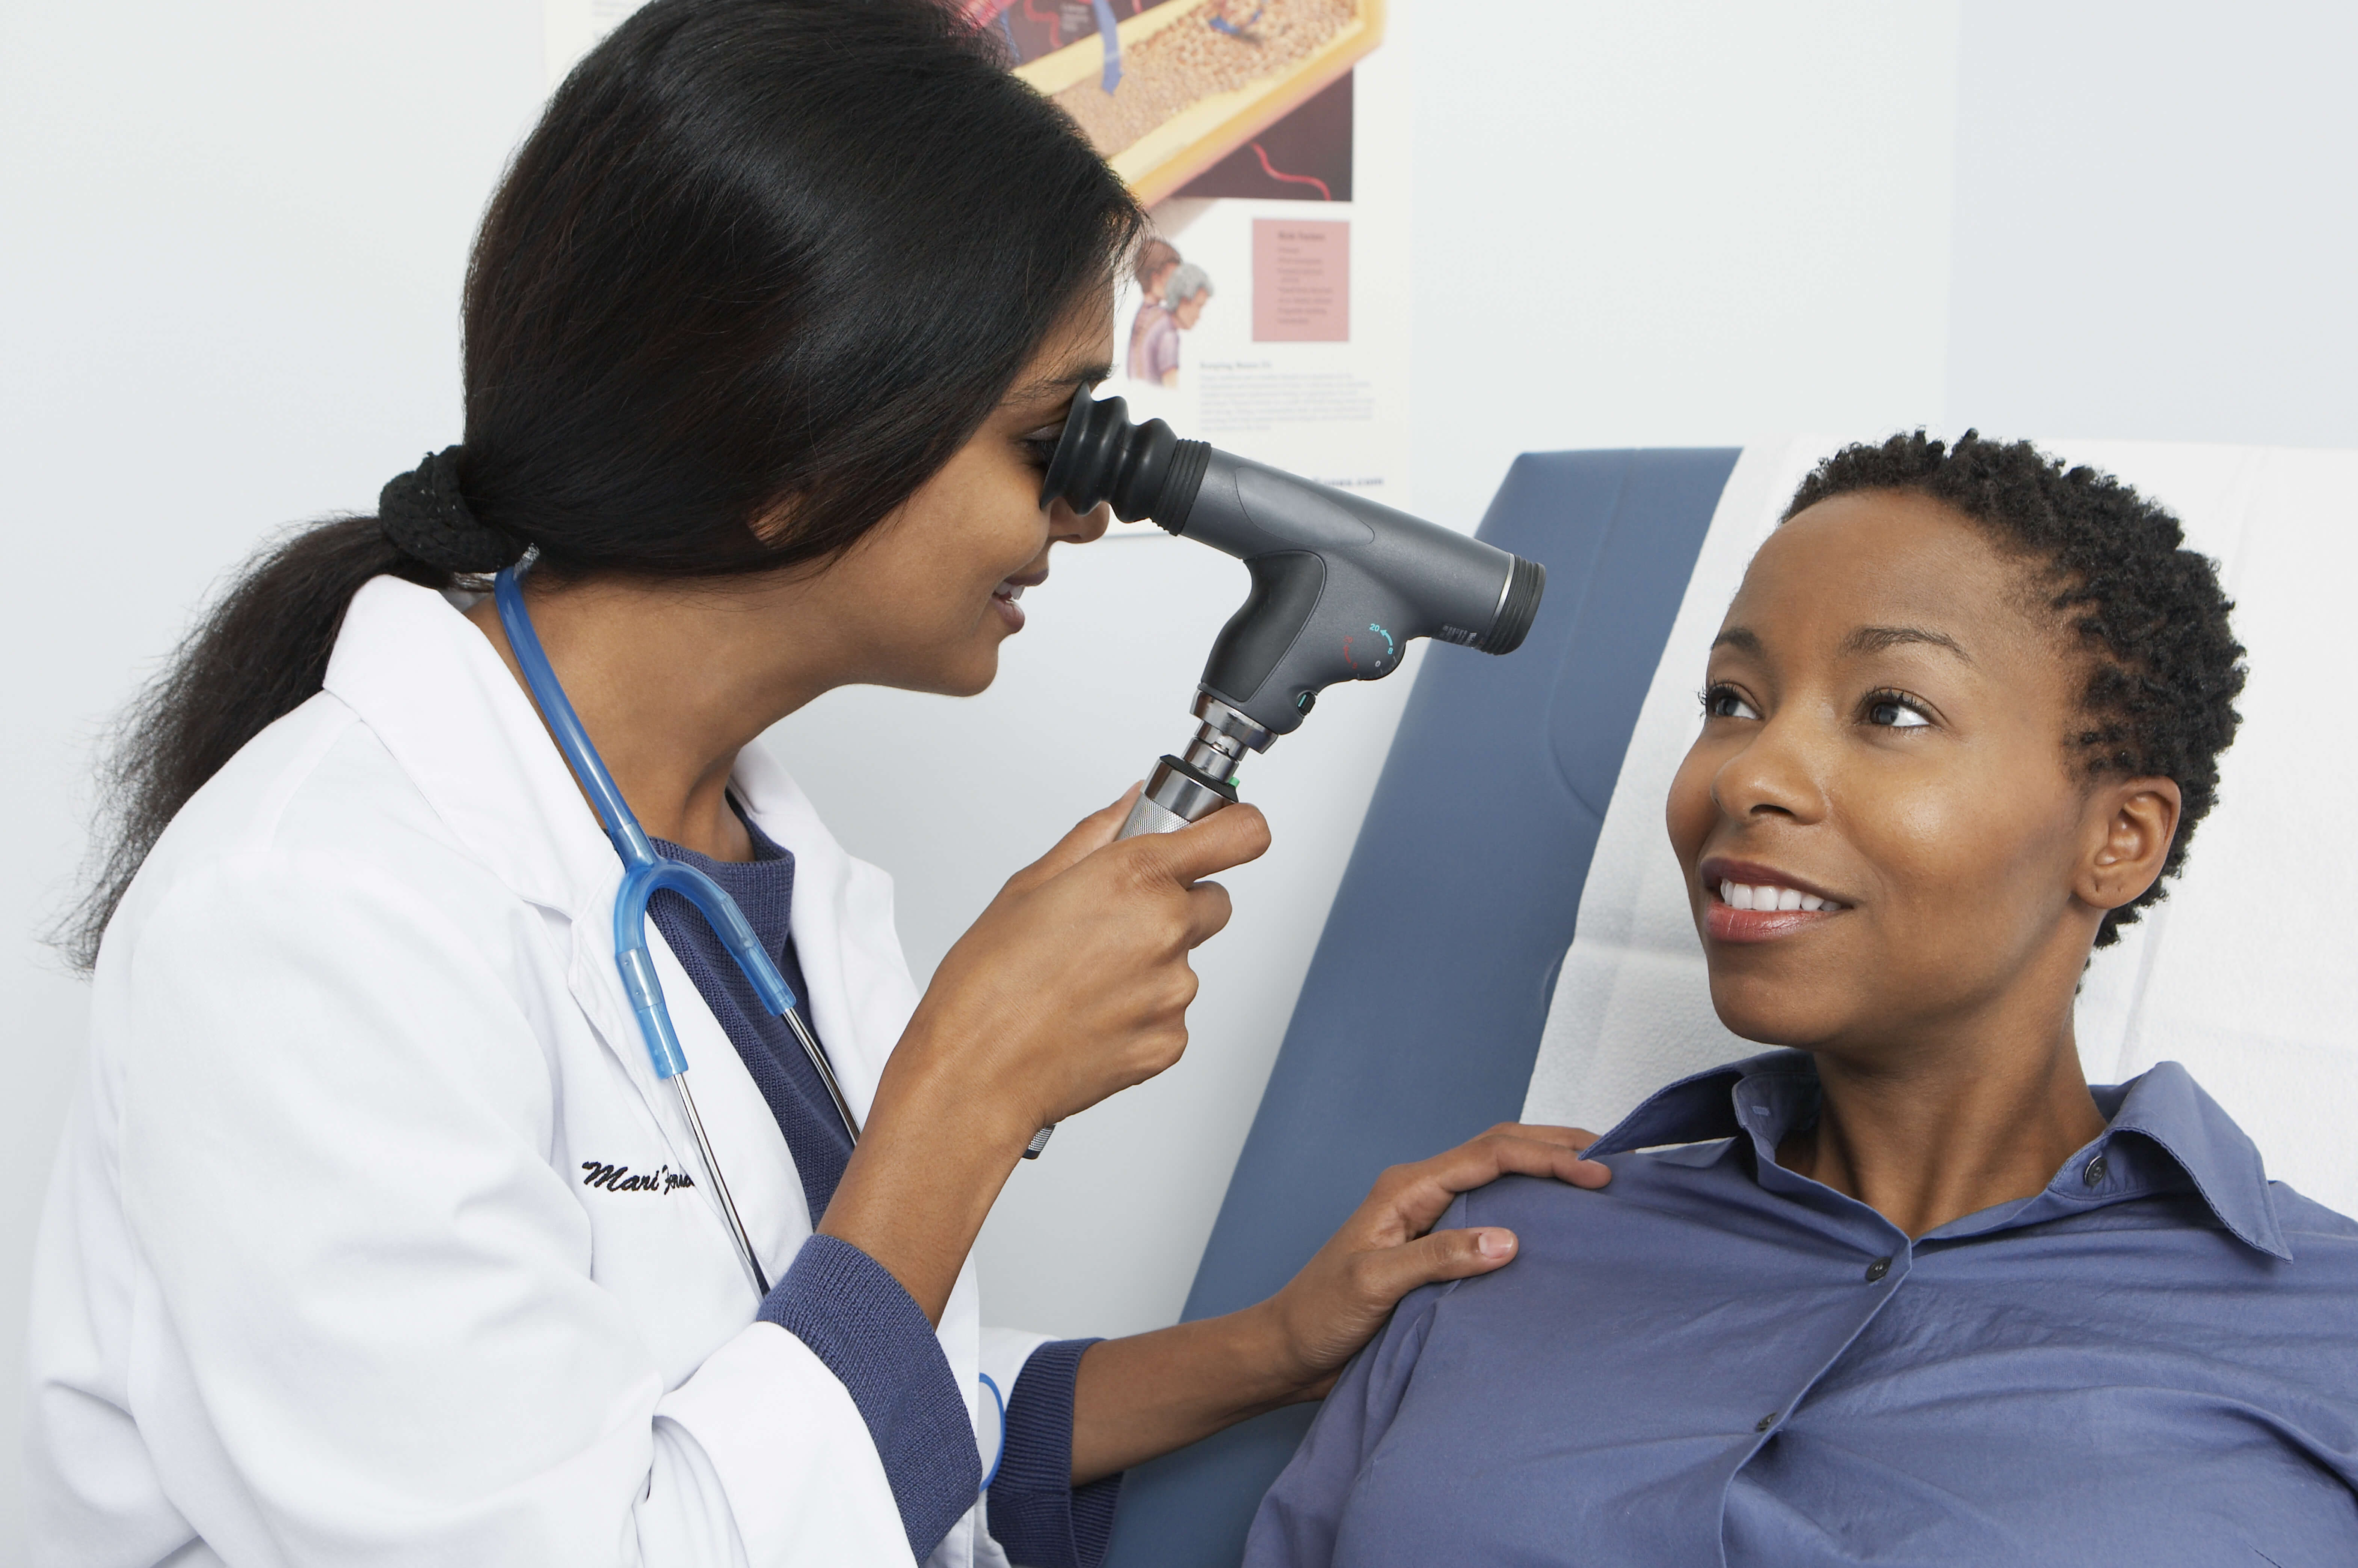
2152,1361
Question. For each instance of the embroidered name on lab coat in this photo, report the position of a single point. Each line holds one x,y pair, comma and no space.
618,1178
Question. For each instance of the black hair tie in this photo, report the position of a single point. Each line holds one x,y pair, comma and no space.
424,516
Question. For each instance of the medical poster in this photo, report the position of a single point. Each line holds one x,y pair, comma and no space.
1266,312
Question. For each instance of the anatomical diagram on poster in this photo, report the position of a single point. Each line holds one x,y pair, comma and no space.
1168,89
1267,138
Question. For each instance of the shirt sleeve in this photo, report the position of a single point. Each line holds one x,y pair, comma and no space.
1301,1519
871,1333
1037,1516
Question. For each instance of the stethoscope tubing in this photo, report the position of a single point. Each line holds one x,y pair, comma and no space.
644,874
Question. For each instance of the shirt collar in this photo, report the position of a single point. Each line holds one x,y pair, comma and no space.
2165,1110
2162,1133
1696,1110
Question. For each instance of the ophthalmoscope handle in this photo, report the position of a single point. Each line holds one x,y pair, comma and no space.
1176,796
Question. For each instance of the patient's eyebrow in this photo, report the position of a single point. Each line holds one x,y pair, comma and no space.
1741,638
1876,639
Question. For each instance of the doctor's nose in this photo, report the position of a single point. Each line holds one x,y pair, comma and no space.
1066,527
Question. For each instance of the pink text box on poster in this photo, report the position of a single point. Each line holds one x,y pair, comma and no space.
1302,281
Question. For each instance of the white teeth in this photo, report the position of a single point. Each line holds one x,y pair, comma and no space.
1008,590
1740,895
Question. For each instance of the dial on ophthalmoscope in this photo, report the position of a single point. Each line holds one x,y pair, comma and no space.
1339,586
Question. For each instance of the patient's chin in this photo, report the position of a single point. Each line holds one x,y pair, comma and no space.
1773,1013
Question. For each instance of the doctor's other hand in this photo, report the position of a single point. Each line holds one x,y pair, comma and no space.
1388,1248
1151,1393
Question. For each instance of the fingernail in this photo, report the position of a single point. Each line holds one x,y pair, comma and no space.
1497,1243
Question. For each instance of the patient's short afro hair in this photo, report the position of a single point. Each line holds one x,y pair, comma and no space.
2165,666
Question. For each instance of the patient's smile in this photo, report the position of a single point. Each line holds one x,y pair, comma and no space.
1737,895
1749,903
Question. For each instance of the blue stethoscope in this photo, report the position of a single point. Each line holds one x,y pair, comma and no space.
644,874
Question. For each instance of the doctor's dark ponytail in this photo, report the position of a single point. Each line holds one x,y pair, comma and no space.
763,266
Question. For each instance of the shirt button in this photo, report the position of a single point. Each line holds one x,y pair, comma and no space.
1766,1421
1877,1269
2095,1174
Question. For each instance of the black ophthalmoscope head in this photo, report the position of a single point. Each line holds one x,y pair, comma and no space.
1144,469
1340,584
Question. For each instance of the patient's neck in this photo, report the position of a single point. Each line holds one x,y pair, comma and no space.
1930,1134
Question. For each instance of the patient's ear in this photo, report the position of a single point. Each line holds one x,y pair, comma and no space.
2130,826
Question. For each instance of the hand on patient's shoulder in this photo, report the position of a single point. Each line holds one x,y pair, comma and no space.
1389,1247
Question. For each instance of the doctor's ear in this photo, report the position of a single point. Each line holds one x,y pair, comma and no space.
2130,826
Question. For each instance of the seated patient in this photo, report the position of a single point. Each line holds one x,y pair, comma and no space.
1908,1291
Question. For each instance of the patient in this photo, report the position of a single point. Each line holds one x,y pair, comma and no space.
1906,1291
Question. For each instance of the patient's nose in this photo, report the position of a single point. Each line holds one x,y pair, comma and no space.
1769,777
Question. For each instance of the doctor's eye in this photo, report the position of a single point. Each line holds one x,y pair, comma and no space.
1895,711
1726,702
1040,445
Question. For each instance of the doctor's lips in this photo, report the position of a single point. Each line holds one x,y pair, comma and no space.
1004,598
1752,902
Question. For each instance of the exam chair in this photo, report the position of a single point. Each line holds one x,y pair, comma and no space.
1511,939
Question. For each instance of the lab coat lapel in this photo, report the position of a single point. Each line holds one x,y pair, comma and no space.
433,690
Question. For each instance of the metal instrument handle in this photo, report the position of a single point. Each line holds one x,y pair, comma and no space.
1150,814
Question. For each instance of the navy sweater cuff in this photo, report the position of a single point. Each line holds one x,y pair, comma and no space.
1037,1516
855,1316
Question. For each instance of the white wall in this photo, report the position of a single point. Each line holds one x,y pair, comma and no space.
2157,222
230,275
1674,225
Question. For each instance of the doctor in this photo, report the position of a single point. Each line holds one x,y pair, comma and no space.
377,1235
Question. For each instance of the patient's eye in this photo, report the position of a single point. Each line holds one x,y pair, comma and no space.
1726,702
1895,711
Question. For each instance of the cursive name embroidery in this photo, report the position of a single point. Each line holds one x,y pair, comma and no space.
618,1178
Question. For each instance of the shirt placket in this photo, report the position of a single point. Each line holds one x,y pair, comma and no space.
1880,1255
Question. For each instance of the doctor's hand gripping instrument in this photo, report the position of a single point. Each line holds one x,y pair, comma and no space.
1339,586
644,874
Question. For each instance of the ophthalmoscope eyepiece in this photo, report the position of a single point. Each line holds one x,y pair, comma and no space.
1144,469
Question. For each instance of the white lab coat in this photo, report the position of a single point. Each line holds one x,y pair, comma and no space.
320,1281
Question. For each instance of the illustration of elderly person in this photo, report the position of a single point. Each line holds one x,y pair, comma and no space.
1154,339
1156,260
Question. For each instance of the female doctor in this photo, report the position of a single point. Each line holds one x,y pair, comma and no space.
383,1231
